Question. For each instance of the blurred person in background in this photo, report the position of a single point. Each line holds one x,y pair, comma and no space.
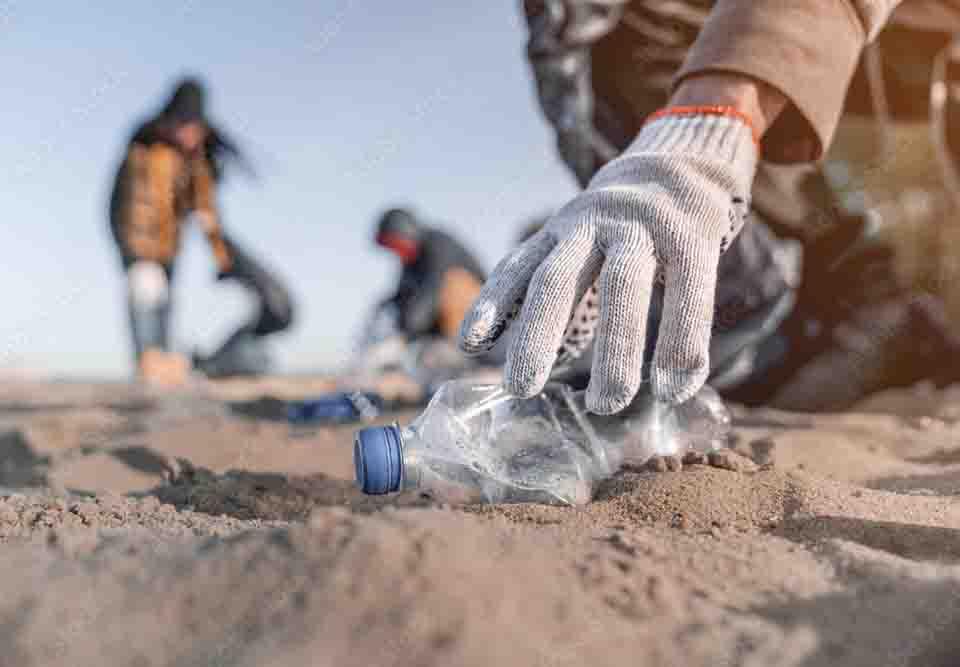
439,277
683,121
169,175
414,329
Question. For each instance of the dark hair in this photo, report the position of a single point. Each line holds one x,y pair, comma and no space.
400,222
220,150
188,104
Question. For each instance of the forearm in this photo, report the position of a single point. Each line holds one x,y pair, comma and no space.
218,245
758,101
206,211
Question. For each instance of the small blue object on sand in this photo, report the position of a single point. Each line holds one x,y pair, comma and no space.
339,408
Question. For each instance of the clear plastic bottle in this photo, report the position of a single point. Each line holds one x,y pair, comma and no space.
478,444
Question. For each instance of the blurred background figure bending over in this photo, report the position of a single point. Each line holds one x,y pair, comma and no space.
173,165
415,328
440,277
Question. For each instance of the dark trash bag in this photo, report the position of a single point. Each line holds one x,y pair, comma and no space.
244,351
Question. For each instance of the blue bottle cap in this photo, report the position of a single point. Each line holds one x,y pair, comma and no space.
378,459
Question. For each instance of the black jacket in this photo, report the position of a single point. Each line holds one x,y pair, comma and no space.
418,294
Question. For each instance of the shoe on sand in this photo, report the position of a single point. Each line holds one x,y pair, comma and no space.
165,369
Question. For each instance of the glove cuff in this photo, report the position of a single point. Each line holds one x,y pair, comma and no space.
708,110
711,132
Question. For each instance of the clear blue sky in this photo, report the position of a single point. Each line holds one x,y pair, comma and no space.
346,106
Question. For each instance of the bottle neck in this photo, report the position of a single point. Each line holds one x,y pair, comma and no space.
411,447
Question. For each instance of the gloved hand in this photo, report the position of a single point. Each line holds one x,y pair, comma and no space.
664,210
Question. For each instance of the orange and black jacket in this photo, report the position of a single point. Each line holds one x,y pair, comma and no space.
157,187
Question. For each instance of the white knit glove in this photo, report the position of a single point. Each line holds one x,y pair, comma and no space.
664,210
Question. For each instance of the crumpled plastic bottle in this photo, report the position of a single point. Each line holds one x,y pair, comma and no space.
478,444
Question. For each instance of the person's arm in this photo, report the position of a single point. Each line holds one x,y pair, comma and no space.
758,101
122,199
205,208
765,77
805,51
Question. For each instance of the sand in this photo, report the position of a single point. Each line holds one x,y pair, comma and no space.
143,528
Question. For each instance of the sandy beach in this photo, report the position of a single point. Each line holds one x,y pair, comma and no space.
155,528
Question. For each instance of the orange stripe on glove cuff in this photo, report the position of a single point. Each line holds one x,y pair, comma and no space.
707,110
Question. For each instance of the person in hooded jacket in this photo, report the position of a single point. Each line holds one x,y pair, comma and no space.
439,280
169,175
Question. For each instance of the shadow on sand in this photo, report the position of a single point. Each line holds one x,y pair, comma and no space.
20,465
251,495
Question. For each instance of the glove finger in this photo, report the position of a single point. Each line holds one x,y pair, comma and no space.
681,361
502,294
546,311
626,285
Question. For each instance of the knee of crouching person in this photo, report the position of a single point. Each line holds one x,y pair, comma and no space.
148,284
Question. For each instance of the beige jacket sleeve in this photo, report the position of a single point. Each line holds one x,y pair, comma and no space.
807,49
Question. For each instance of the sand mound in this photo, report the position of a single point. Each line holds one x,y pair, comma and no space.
700,498
708,499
